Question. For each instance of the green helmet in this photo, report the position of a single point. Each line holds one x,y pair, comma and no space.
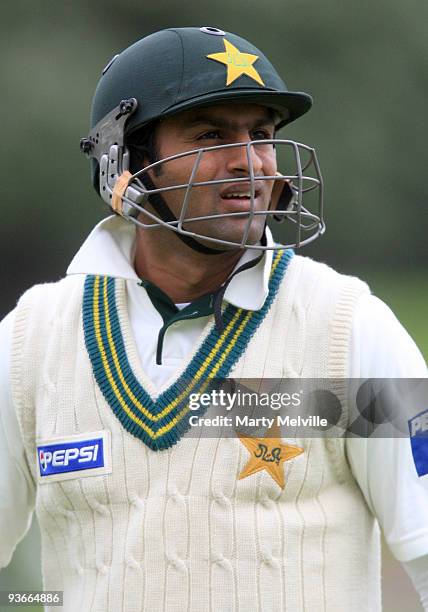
174,70
180,68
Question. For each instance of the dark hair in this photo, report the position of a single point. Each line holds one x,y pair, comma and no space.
142,147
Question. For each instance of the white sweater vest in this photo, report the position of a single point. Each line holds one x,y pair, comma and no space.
175,530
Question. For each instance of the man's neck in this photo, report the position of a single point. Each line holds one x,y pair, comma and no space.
182,273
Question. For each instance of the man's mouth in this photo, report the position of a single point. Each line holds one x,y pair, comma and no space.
238,196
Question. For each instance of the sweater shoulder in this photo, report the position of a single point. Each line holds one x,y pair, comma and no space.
311,282
51,291
40,308
315,308
51,295
312,270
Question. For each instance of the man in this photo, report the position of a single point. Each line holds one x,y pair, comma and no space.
184,285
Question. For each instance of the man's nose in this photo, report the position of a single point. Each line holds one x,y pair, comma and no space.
240,158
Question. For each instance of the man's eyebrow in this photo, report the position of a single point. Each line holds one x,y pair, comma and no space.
220,122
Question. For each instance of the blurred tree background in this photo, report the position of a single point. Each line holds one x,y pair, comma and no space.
364,63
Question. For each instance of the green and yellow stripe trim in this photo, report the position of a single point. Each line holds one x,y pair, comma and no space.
162,422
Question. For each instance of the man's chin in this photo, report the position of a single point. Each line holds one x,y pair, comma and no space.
232,236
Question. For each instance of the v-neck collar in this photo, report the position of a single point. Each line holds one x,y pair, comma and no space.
161,421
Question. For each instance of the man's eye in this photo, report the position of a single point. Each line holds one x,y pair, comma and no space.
213,135
261,135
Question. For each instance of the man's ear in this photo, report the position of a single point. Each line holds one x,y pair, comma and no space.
282,195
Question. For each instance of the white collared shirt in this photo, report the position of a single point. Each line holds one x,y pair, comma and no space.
109,250
379,348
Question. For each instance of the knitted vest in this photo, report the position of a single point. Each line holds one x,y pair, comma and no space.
176,530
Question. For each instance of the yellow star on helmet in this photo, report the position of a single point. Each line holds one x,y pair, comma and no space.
237,63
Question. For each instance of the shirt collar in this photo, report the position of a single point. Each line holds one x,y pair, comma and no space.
109,251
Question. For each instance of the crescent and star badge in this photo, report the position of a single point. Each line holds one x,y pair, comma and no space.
237,63
268,454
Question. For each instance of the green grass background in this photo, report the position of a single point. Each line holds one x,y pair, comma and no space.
407,295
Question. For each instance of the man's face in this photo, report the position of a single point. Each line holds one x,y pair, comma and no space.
208,127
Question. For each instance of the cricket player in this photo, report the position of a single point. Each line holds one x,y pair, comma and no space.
182,284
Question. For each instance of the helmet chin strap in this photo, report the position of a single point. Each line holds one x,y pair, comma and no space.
166,214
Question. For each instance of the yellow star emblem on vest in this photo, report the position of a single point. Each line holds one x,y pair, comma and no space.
237,63
268,454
